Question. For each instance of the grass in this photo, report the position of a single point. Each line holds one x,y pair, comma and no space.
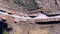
6,32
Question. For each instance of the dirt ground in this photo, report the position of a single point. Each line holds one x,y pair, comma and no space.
24,28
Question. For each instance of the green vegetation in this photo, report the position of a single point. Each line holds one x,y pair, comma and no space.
6,32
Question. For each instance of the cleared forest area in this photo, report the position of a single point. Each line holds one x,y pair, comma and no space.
17,14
